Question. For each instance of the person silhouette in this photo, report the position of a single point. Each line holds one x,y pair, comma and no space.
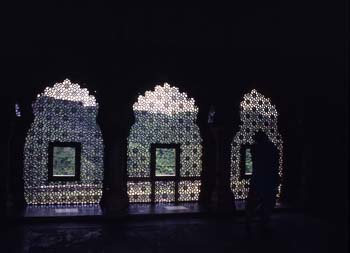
264,180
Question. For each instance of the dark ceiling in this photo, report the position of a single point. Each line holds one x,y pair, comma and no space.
291,52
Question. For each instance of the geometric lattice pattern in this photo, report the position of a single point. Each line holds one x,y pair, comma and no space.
139,191
64,113
257,113
189,190
164,116
164,191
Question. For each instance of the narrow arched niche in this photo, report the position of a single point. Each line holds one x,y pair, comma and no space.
164,148
256,113
63,153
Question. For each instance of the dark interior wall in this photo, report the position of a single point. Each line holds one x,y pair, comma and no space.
291,54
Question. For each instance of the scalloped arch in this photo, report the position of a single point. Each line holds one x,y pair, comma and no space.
164,116
63,113
165,99
71,92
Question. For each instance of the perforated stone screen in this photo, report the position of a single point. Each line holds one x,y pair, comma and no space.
164,116
256,113
64,113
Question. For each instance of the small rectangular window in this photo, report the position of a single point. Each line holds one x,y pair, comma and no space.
246,161
64,161
165,162
248,164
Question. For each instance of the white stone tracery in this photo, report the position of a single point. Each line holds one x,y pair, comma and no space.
164,116
256,113
64,113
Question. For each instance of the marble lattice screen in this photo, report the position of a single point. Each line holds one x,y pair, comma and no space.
256,113
64,113
164,116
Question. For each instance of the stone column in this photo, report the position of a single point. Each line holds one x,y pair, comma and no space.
116,200
9,194
222,198
208,167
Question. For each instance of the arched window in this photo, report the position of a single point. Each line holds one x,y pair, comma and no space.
164,148
63,154
256,113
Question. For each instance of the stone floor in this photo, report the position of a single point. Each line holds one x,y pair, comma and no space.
289,232
145,209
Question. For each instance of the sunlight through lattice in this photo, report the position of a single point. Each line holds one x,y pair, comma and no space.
256,113
64,113
164,116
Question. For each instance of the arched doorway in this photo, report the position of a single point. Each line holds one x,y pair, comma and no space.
256,113
164,148
63,153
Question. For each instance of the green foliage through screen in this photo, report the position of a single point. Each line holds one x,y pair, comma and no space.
63,161
248,162
165,161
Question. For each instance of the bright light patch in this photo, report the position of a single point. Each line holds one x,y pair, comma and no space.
17,110
166,100
70,91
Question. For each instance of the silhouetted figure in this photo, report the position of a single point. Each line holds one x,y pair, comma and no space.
264,181
211,115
